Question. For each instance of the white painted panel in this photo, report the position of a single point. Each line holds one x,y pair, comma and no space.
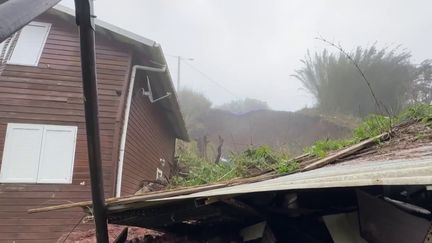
30,44
21,153
159,174
57,158
1,46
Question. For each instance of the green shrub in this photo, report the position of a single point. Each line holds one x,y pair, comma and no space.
372,126
285,167
322,147
255,160
250,162
418,111
203,173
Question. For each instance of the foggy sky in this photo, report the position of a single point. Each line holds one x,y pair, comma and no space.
251,47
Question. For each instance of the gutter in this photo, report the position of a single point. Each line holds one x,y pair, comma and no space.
135,68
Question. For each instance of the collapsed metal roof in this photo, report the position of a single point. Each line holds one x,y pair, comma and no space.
348,174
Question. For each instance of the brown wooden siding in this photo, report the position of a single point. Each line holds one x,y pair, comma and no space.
51,93
148,140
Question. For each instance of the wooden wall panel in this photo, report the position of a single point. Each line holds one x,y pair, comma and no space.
51,93
148,140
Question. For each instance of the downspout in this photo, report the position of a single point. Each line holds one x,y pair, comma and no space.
135,68
85,20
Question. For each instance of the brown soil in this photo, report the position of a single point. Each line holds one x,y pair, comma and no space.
407,142
135,235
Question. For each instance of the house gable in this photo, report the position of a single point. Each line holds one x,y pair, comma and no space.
50,93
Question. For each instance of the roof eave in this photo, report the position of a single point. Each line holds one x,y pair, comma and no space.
102,25
171,106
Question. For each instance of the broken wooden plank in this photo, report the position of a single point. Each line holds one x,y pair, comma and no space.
130,199
159,194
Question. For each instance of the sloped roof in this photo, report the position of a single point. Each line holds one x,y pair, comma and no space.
150,49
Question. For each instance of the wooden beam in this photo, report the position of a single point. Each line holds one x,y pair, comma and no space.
130,199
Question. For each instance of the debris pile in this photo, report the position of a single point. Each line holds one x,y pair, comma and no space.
135,235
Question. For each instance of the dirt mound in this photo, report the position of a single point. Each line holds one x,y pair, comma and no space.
279,129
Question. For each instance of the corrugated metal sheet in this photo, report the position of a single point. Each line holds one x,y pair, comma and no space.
349,174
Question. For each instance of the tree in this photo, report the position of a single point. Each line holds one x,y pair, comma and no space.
420,89
193,106
338,86
244,105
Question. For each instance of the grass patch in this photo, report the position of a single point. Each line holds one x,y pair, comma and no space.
322,147
372,126
420,112
285,167
248,163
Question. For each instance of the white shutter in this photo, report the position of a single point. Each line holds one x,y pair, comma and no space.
30,44
21,153
1,46
57,157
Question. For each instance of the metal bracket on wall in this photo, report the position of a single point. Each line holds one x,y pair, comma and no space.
149,93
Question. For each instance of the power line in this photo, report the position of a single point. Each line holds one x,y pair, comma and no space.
210,79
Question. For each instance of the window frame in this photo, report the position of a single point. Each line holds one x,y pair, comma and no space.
36,180
47,27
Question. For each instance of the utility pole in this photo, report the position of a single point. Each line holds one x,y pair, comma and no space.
178,72
179,59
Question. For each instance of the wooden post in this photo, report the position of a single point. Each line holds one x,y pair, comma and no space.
219,150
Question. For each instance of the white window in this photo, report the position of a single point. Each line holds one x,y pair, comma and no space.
30,44
38,154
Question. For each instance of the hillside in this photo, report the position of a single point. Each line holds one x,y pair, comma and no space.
289,131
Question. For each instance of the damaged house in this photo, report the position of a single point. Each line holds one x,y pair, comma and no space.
42,125
378,190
